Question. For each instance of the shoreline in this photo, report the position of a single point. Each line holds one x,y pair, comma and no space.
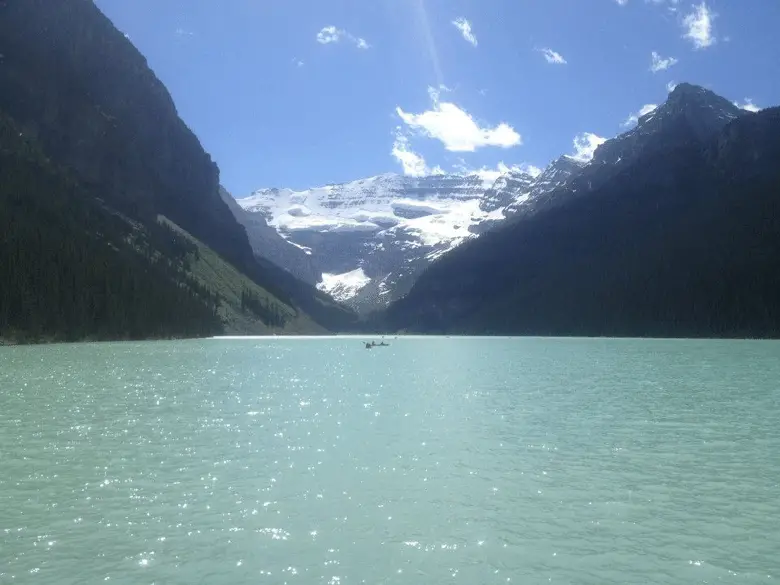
12,342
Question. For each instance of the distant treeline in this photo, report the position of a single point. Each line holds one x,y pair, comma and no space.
269,313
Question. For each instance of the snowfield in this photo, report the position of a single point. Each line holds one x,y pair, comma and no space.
372,237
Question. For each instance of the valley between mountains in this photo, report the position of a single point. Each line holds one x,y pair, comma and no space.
367,241
490,254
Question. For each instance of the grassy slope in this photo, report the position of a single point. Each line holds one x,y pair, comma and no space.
212,271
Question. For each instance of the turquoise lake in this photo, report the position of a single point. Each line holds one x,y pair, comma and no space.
431,461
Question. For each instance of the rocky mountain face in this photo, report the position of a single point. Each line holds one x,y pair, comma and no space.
372,238
79,92
690,114
517,192
672,230
267,243
79,88
515,189
369,237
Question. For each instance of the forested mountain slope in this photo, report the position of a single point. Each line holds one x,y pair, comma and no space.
105,129
72,269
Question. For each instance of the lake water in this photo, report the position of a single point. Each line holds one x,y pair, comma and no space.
432,461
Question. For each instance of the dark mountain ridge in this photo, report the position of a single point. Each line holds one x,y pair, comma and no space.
75,87
72,269
78,87
672,230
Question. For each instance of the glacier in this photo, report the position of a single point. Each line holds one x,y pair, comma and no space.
372,237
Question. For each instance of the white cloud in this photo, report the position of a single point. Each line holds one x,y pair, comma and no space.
622,2
456,129
297,62
434,92
748,105
490,174
553,57
698,25
413,164
634,118
670,86
464,26
585,145
181,33
331,34
526,168
672,4
661,64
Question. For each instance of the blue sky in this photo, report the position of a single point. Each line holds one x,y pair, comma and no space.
300,93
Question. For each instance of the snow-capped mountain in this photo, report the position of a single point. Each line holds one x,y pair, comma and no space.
267,242
515,190
368,241
371,238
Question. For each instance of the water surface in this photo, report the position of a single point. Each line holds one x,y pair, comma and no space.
474,461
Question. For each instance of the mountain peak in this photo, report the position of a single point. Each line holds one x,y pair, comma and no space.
568,162
685,88
687,96
690,112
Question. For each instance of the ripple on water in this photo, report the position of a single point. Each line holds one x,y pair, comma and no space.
438,460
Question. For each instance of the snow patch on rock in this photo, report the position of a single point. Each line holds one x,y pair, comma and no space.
343,287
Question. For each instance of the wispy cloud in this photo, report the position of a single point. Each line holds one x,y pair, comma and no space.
464,26
553,57
331,34
699,26
748,105
672,3
526,168
489,175
661,64
456,129
585,145
182,33
412,163
670,86
634,118
297,62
